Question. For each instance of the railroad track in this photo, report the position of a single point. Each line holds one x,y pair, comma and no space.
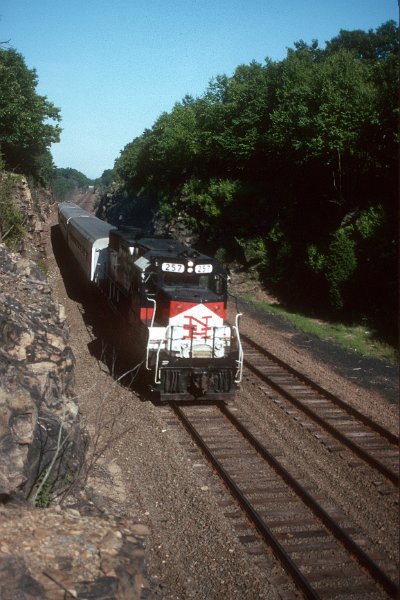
323,558
371,442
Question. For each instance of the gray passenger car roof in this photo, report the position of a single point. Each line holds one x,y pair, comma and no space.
91,228
71,210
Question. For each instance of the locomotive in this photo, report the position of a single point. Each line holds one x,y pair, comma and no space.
174,299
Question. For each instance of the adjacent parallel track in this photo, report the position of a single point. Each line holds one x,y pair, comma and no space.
371,442
322,557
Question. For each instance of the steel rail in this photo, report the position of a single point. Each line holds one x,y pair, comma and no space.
253,514
393,439
360,452
374,570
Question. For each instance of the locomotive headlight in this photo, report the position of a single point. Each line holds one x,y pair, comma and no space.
190,263
190,269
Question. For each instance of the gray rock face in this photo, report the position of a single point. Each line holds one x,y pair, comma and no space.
53,552
49,554
39,420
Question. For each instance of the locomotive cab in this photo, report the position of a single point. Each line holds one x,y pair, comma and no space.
180,296
173,298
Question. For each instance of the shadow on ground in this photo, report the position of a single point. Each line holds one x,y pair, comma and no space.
113,343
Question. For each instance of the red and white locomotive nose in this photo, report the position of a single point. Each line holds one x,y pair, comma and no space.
174,299
201,327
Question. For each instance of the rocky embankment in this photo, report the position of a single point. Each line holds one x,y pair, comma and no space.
53,543
39,417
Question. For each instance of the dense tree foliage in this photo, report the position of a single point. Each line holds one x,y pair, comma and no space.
105,180
65,182
293,164
28,121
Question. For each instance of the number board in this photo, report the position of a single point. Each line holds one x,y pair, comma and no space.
203,269
173,267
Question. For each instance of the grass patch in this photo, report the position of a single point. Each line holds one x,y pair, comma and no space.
42,266
356,337
43,498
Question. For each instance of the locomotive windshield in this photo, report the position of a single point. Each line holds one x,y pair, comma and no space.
215,283
186,280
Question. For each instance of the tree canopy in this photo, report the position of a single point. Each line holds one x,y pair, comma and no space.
28,121
66,181
292,165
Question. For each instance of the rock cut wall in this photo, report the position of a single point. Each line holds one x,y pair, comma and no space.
38,415
55,552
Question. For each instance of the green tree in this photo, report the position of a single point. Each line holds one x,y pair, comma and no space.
323,107
174,145
28,121
371,45
310,144
106,179
204,201
66,181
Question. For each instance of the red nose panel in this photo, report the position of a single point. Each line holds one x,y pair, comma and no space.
176,308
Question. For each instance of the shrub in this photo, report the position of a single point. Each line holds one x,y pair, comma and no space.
254,250
340,264
11,223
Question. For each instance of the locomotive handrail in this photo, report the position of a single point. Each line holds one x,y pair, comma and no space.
149,328
239,372
156,380
154,310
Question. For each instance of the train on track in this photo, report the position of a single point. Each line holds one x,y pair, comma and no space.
173,298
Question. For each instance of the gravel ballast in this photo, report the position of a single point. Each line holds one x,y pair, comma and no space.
147,471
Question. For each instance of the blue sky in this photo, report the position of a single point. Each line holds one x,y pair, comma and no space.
113,66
